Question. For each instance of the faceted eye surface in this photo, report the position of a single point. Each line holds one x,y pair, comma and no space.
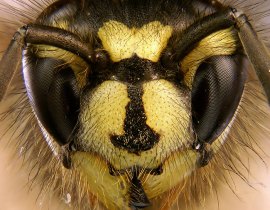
217,89
54,94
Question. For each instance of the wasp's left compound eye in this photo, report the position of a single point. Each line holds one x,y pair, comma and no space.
54,95
217,89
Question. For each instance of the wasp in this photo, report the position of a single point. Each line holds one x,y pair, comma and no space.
133,104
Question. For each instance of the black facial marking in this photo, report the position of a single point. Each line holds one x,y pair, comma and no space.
133,71
138,198
136,70
114,172
138,135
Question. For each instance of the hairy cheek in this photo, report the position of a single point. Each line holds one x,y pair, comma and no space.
16,191
248,197
254,192
16,195
12,180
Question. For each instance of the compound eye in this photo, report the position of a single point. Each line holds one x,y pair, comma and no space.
54,96
217,89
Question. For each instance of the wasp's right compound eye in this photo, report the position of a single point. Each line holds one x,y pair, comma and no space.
216,92
54,94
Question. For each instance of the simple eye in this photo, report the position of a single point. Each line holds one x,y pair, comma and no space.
217,89
54,95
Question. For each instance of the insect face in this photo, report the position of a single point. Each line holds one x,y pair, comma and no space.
134,100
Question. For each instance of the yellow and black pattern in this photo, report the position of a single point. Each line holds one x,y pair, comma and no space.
139,120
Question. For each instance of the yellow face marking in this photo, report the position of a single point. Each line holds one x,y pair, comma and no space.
104,112
219,43
177,167
78,65
63,24
147,42
168,113
112,191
